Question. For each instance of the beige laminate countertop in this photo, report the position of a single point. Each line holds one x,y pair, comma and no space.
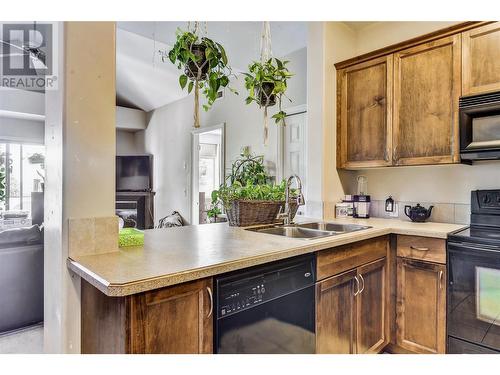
176,255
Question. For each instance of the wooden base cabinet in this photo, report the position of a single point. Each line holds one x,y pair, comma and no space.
351,311
172,320
421,306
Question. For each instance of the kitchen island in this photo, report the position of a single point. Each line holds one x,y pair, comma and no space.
169,279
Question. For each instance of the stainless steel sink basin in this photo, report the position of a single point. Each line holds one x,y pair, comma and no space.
333,227
310,230
294,232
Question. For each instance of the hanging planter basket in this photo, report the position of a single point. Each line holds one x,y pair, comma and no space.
205,65
265,94
198,68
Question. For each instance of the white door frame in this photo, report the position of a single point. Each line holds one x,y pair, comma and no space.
280,167
195,152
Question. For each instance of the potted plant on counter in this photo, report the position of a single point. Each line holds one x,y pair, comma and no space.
205,67
247,196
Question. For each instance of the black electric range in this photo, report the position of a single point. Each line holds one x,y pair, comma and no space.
473,308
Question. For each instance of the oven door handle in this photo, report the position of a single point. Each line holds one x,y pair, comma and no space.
481,247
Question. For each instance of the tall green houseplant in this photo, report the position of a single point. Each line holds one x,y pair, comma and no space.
205,65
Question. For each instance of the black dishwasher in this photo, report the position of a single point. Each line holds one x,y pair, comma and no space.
267,309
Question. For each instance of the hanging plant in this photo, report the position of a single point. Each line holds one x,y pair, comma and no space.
205,67
267,83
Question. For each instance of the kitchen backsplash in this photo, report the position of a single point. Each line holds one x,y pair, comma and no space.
442,212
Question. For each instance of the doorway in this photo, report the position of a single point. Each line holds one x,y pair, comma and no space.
207,169
292,147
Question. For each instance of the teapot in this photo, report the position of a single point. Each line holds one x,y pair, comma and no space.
418,213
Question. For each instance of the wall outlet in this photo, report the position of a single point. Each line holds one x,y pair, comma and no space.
394,213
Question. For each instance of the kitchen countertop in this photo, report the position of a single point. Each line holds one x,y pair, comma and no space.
176,255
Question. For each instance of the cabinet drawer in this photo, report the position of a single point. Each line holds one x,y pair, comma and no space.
343,258
422,248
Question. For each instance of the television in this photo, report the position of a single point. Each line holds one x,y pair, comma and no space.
133,172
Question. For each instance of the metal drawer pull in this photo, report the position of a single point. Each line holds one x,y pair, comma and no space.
357,286
363,280
419,248
440,279
211,301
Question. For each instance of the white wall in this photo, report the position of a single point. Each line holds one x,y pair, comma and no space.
21,116
129,143
80,165
168,136
328,42
440,184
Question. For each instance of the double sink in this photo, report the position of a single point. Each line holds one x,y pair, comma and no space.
310,230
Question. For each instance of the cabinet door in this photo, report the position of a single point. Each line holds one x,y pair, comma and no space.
335,309
372,324
426,93
481,59
366,118
176,319
421,306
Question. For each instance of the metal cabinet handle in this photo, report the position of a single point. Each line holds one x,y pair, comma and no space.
419,248
211,301
363,280
357,286
440,279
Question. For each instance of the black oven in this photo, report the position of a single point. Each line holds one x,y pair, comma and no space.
473,309
480,127
473,298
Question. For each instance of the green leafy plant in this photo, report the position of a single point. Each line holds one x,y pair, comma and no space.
249,180
214,206
205,66
266,83
266,192
249,168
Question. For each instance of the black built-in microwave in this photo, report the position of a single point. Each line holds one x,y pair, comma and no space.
480,127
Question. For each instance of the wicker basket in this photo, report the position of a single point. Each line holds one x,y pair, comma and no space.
243,213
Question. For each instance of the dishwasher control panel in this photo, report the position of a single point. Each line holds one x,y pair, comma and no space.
240,292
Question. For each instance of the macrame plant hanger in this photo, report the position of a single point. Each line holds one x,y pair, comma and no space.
195,28
265,54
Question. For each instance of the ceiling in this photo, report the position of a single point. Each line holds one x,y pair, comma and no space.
144,81
359,25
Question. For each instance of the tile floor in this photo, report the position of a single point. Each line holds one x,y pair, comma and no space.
27,340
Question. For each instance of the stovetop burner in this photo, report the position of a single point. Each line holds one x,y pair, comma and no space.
484,219
478,234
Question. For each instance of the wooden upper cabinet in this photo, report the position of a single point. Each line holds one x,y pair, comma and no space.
426,92
174,320
481,59
365,114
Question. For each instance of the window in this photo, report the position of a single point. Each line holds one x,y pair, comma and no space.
23,166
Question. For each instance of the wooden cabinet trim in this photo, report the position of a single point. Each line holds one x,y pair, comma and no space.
452,30
453,156
333,281
467,36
